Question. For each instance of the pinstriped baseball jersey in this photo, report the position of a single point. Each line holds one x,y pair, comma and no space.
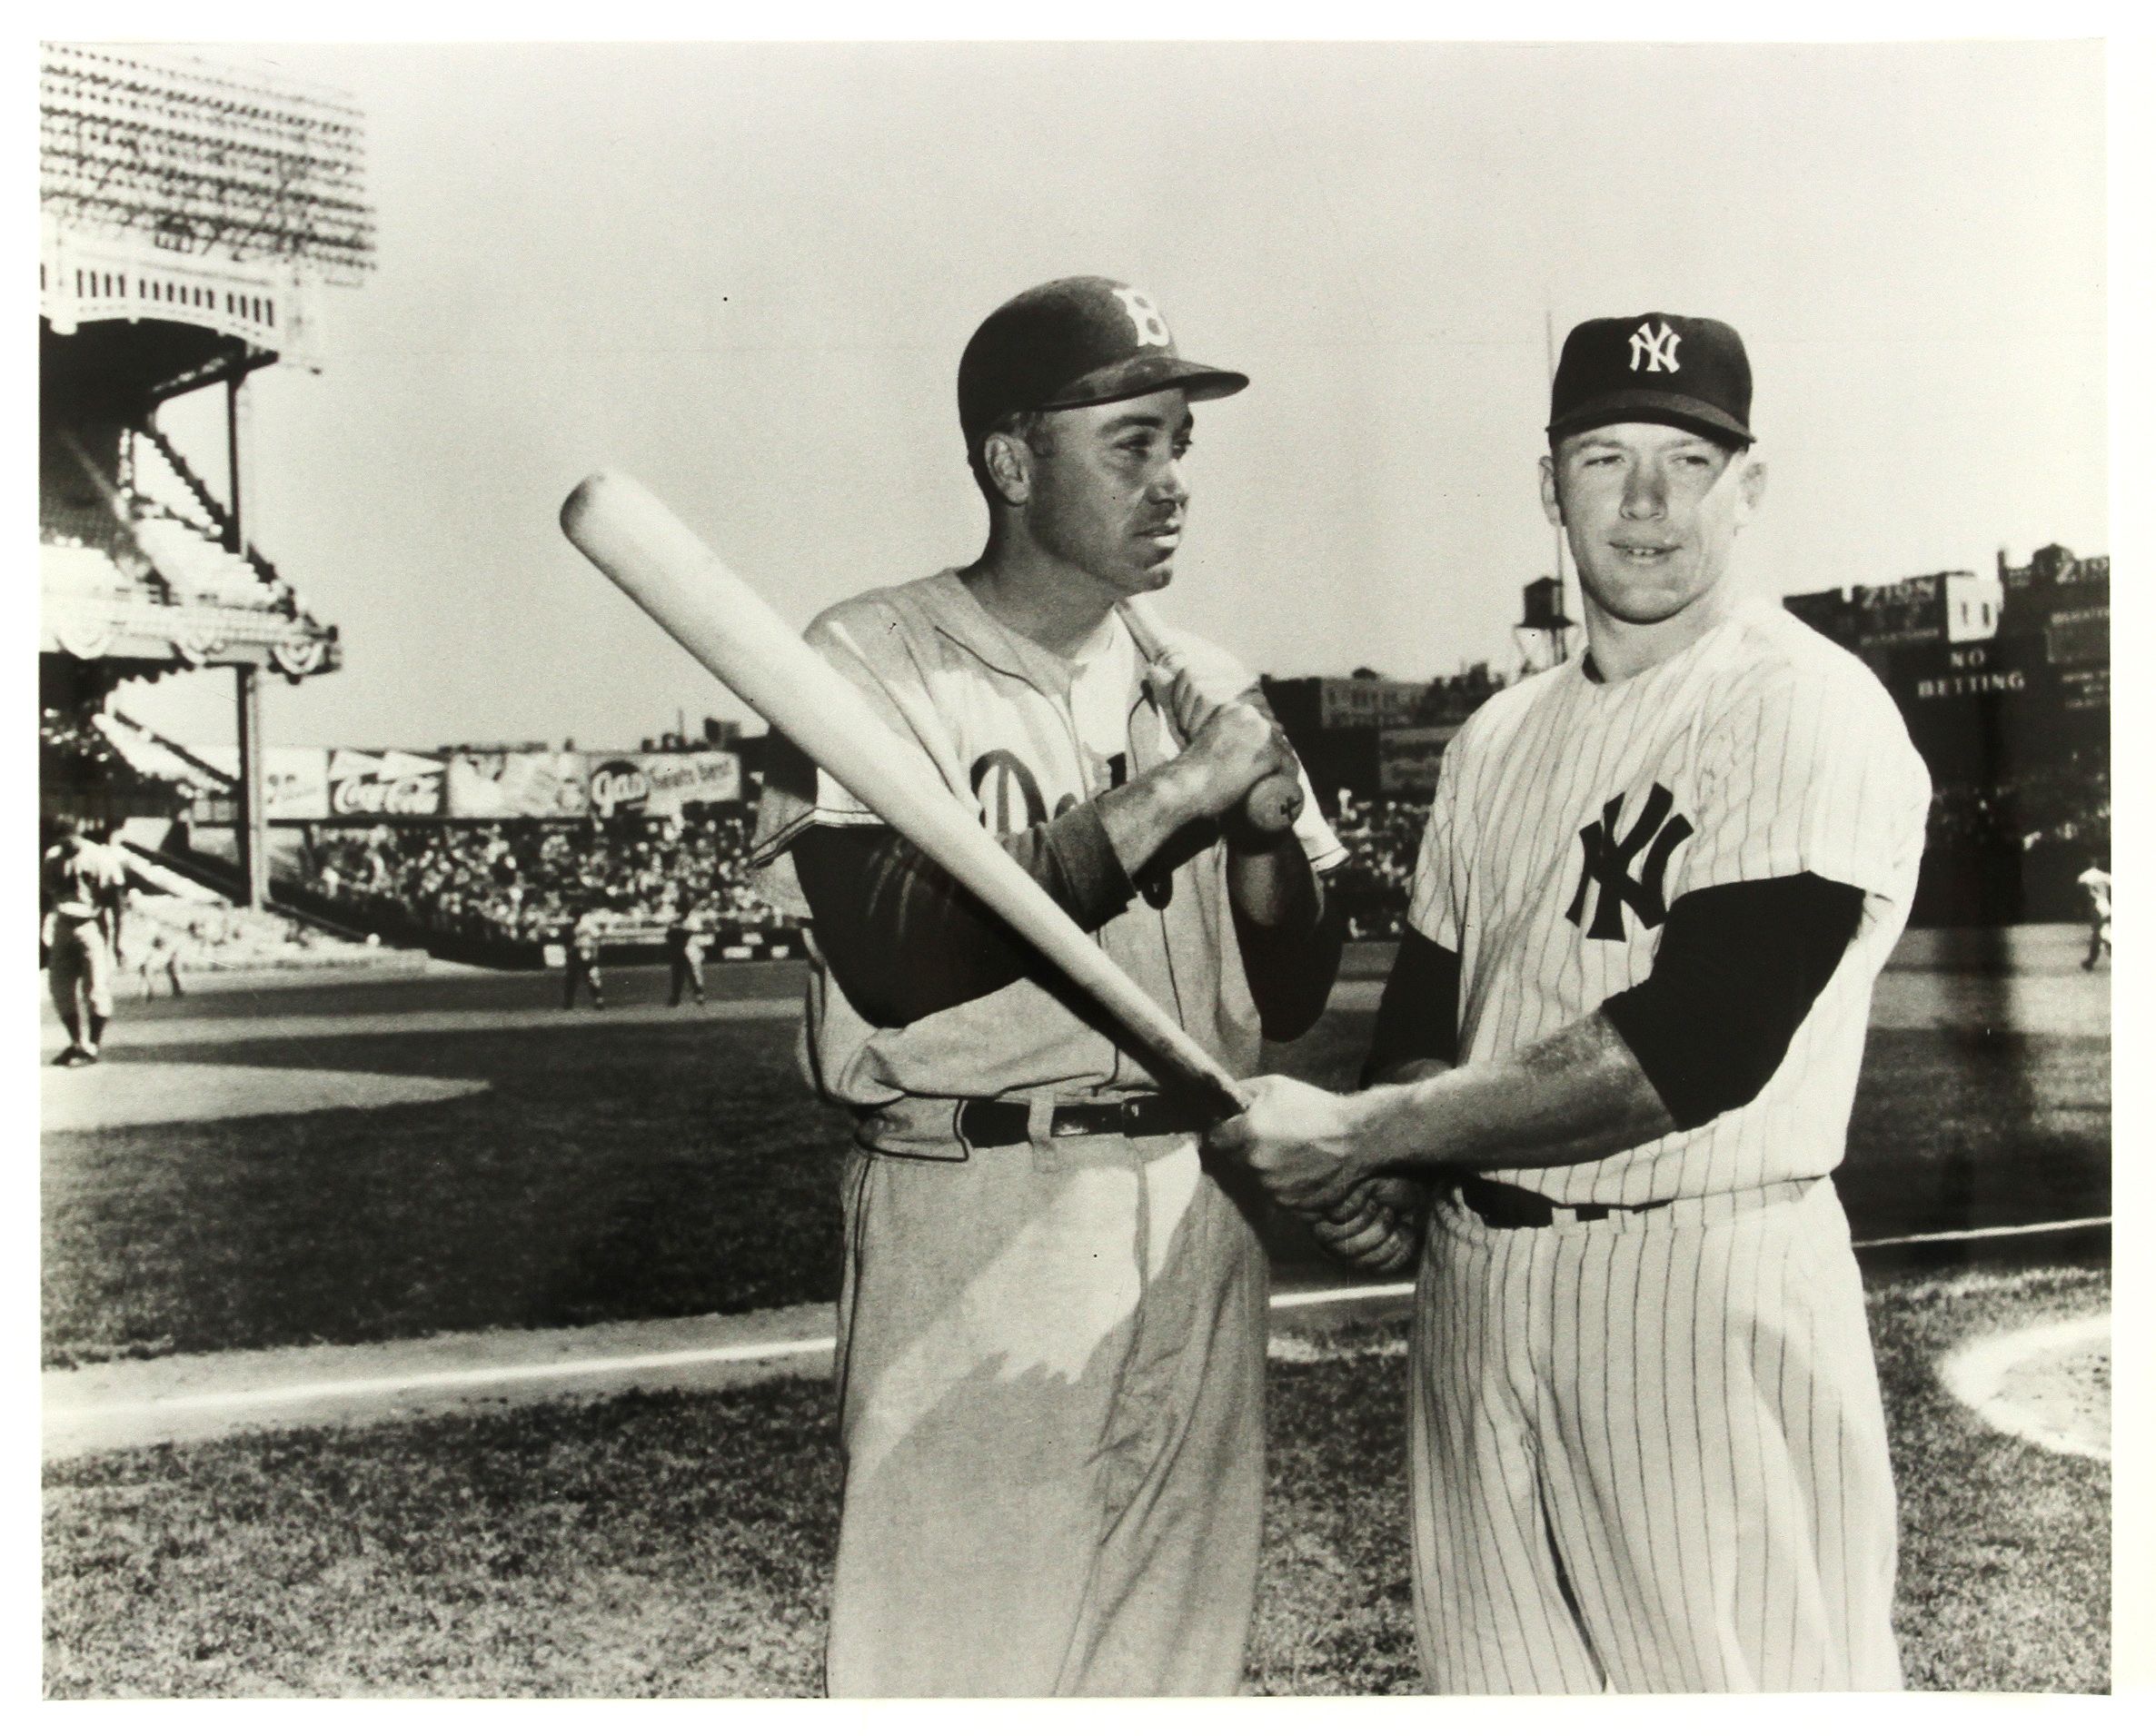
1021,735
1571,814
1647,1450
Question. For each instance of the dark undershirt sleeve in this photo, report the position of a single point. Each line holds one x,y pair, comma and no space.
1737,970
1418,1016
1291,966
905,939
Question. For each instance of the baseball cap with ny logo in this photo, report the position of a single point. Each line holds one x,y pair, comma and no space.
1659,367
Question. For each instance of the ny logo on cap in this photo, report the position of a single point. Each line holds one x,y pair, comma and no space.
1145,318
1658,349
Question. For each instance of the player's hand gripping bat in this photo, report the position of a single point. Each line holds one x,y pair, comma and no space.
631,536
1270,805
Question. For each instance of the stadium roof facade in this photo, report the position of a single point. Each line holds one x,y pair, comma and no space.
211,195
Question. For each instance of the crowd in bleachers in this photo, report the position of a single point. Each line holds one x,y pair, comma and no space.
1382,837
527,880
166,940
2066,807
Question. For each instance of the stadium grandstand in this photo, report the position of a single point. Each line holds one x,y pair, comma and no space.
192,214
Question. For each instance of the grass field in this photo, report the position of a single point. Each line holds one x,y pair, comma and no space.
678,1545
622,1173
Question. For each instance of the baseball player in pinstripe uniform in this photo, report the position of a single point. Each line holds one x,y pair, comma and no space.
1621,1042
1052,1320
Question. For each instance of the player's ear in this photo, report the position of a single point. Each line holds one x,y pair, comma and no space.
1553,509
1751,482
1007,462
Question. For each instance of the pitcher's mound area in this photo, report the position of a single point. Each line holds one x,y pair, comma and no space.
131,1094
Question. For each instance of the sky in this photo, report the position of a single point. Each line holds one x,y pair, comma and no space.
744,274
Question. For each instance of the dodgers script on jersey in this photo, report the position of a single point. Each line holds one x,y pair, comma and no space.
1022,735
1570,815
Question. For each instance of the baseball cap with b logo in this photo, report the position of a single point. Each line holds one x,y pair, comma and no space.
1077,341
1659,367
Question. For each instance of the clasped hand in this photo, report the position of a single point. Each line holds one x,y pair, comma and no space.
1299,1141
1311,1151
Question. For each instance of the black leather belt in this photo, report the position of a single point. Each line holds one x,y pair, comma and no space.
1006,1121
1502,1206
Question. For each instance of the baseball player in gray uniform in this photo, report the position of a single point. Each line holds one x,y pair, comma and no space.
1621,1041
1053,1315
82,883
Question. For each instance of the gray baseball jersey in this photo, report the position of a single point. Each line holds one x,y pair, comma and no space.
1051,1354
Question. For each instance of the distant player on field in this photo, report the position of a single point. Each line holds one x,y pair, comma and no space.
81,888
2096,881
1647,1445
687,939
582,944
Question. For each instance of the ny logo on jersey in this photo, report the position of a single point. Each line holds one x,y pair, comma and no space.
1607,863
1145,318
1657,349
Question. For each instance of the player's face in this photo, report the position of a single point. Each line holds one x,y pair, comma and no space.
1106,493
1651,513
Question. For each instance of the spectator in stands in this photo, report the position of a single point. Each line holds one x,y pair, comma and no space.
524,880
82,886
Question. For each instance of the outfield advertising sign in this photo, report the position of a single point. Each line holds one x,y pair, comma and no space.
661,783
389,785
294,780
1408,760
517,785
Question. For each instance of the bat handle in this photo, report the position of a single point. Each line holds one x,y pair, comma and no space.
1270,805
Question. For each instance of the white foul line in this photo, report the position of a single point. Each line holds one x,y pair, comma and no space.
414,1382
1346,1293
1984,1235
270,1397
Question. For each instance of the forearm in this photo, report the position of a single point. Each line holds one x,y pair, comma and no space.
905,940
1572,1098
1143,816
1272,886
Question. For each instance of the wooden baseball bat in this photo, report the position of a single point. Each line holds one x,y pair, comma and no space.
631,536
1271,804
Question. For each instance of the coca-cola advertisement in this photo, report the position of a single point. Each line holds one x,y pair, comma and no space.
391,785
